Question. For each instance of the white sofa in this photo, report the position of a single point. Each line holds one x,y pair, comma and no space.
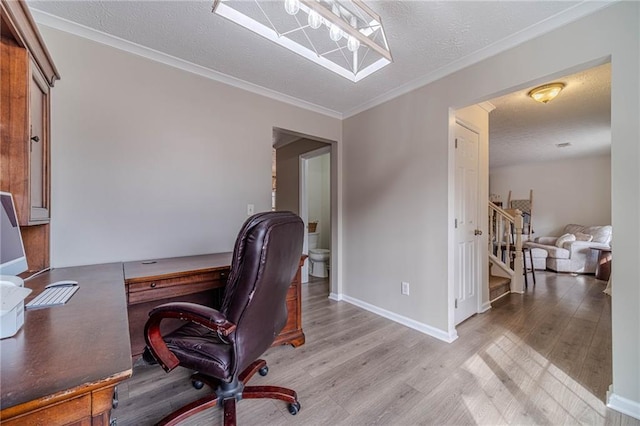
572,252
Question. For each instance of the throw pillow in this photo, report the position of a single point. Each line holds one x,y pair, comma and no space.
583,237
565,239
601,234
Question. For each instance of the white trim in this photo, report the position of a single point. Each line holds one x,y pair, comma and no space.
421,327
623,405
316,153
336,296
501,296
487,106
303,209
484,307
55,22
563,18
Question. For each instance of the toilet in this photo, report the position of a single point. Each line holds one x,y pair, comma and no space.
318,257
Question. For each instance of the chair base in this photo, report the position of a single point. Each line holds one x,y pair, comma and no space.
226,395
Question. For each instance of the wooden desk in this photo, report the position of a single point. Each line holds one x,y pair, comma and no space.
63,365
196,279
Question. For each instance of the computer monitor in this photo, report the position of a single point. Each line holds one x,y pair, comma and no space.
13,259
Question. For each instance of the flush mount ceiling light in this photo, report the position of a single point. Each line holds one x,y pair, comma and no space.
344,36
546,93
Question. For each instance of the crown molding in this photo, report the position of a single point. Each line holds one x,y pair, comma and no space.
553,22
55,22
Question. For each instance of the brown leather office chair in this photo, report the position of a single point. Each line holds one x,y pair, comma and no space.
224,346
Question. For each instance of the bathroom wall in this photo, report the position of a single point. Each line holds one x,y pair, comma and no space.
319,197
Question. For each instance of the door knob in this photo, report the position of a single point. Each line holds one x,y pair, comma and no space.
35,138
477,232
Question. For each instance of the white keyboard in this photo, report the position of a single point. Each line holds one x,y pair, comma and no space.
52,297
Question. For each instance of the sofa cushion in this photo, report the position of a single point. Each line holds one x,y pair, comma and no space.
565,239
573,228
538,252
583,237
601,234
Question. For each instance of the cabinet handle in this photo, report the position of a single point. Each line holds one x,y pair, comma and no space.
153,285
35,138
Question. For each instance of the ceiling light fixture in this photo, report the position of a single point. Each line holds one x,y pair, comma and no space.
546,93
353,45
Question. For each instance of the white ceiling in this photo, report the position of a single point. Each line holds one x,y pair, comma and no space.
523,131
428,39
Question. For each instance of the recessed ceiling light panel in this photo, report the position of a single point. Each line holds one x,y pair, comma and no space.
343,36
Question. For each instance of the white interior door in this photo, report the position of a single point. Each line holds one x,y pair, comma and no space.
466,234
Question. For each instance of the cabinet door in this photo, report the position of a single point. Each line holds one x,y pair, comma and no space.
38,147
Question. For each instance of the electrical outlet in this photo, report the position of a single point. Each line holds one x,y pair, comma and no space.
405,288
250,209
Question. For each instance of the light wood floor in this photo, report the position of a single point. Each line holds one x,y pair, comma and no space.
541,358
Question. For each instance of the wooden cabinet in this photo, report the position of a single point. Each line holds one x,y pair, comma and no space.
26,75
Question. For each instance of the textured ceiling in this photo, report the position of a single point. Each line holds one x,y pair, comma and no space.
428,39
523,131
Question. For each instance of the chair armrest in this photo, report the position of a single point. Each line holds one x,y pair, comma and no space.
578,245
198,314
547,241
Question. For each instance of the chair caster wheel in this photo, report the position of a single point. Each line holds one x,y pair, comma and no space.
294,408
263,371
197,384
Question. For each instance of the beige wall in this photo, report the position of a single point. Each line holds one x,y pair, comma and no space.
565,191
397,189
151,161
288,172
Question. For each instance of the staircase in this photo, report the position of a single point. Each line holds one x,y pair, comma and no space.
505,252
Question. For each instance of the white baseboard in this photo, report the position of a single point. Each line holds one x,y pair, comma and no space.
485,307
623,405
335,296
421,327
501,296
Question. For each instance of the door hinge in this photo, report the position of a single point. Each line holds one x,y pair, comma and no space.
456,303
456,143
456,223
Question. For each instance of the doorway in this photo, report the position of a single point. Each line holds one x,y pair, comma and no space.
315,203
467,228
292,152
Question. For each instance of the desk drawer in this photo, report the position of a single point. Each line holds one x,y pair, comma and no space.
73,411
147,291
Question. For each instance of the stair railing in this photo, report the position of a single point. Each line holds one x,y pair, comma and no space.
505,243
